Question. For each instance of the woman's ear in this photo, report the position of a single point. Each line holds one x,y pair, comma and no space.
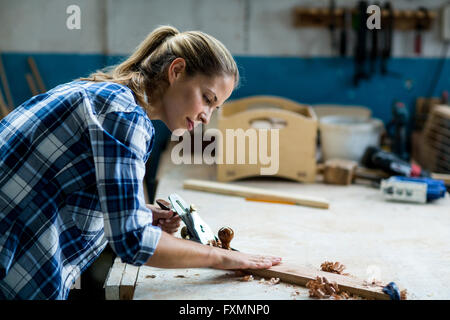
176,69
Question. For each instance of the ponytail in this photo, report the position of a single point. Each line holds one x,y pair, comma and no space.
146,48
145,71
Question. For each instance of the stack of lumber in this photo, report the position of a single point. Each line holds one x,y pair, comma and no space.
435,155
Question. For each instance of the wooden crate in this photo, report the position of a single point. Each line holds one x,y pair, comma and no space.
297,129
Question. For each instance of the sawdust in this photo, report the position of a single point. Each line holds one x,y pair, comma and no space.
321,288
372,283
272,281
333,267
295,293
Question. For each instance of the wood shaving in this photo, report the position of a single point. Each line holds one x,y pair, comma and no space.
295,293
372,283
403,294
334,267
247,278
323,289
214,243
274,280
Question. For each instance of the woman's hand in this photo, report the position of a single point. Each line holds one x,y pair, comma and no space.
172,252
167,220
233,260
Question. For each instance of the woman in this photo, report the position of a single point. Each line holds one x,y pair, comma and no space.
72,163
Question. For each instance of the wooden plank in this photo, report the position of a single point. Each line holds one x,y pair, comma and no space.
300,275
441,176
114,279
36,75
254,193
3,108
4,80
128,282
31,84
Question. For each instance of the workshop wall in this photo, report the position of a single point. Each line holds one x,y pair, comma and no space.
274,57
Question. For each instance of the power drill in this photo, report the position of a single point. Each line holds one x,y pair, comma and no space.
375,158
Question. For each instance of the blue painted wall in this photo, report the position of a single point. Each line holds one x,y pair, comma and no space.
306,80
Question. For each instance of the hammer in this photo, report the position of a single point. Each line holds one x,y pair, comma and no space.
344,172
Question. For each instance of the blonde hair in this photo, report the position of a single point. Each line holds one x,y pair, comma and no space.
145,71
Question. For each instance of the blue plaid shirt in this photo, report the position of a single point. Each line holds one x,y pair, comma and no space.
72,163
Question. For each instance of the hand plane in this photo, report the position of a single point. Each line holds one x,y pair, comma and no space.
195,227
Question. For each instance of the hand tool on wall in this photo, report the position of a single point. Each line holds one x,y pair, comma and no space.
374,48
397,128
196,228
346,25
360,48
332,25
420,26
386,34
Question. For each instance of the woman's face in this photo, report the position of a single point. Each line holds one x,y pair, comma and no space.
189,101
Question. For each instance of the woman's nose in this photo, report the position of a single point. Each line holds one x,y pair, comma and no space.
205,117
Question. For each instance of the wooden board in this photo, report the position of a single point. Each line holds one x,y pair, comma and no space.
300,275
121,281
36,75
254,193
5,84
128,282
113,280
441,176
3,108
31,84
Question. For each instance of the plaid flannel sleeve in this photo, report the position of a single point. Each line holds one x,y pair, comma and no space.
121,142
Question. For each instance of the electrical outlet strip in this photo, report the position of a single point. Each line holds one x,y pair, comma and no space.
405,191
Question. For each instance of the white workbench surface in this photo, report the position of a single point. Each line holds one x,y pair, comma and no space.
404,243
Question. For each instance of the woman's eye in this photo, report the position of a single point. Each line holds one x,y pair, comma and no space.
207,100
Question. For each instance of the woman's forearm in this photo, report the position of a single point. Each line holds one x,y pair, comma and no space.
173,252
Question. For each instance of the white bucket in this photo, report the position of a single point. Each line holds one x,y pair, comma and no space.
347,137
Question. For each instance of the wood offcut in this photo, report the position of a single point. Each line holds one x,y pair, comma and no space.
254,193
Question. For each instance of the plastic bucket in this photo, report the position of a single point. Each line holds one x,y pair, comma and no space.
347,137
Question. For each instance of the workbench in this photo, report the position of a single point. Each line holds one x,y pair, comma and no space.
375,239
